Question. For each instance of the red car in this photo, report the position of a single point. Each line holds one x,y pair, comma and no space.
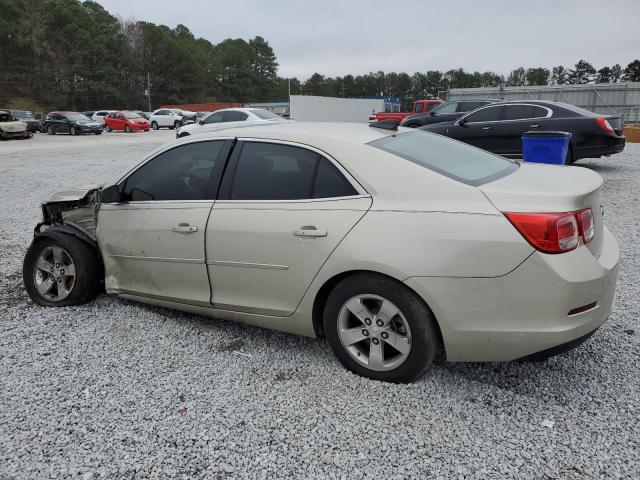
419,106
127,121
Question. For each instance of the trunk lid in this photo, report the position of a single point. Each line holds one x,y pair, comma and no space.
549,189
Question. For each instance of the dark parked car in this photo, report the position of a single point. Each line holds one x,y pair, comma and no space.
73,123
444,113
499,127
33,124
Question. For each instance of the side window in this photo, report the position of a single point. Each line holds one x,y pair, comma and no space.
182,173
464,107
330,182
517,112
433,106
234,116
214,118
419,108
489,114
269,171
449,107
539,112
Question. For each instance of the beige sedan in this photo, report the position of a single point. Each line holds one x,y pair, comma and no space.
397,246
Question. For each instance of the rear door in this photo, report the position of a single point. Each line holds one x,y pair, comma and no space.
515,121
282,210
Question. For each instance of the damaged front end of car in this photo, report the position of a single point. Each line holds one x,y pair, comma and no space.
74,212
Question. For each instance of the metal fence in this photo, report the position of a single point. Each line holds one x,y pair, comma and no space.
607,98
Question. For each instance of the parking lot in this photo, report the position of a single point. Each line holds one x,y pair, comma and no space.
115,389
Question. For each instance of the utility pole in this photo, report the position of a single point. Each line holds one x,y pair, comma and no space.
149,91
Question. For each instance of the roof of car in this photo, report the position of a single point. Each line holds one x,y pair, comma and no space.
300,131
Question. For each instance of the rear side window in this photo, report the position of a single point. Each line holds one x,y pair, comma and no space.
517,112
539,112
268,171
448,157
234,116
182,173
449,107
419,107
489,114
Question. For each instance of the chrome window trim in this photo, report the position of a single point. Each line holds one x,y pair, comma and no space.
493,105
354,183
301,200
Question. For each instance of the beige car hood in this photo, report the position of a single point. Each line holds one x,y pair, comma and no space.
72,194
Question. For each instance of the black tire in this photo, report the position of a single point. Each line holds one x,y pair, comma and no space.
425,337
98,133
412,125
569,158
177,124
107,128
73,131
184,134
127,129
87,283
50,130
154,125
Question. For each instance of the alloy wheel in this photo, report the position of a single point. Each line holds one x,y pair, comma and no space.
374,332
54,274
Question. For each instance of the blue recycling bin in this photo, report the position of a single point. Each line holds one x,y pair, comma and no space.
545,147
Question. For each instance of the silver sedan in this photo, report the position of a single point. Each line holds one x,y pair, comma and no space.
398,247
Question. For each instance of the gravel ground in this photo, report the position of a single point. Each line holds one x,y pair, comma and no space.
115,389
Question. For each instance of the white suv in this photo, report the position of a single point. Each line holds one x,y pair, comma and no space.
229,118
166,117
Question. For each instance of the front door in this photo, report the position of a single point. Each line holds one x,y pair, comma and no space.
283,209
516,120
479,128
153,240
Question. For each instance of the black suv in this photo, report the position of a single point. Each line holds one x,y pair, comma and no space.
73,123
446,112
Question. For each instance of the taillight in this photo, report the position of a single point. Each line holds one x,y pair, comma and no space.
604,124
554,232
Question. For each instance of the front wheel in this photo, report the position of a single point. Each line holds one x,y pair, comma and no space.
50,130
154,125
73,131
380,329
177,124
61,270
107,128
127,129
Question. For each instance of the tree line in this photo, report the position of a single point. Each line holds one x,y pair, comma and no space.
67,54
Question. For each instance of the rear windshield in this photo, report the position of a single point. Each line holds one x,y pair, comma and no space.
264,114
448,157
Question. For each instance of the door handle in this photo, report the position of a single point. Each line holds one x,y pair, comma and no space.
486,128
535,125
184,228
309,231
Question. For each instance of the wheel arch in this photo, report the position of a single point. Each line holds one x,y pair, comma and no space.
53,231
327,287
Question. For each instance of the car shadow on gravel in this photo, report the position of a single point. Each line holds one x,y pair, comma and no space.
600,167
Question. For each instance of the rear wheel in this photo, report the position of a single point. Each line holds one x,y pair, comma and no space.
380,329
73,131
127,129
50,130
154,125
61,270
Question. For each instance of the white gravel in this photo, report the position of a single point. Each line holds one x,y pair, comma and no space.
115,389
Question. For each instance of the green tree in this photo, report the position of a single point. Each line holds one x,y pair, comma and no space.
517,77
537,76
558,75
616,73
632,72
603,75
582,72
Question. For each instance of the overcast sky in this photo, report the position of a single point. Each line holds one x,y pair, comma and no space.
336,37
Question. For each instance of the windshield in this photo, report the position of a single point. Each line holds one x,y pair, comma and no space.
78,117
448,157
22,114
264,114
131,115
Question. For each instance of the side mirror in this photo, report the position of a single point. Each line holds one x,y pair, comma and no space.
111,194
201,122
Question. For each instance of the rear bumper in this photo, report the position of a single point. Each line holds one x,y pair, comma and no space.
611,145
526,311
